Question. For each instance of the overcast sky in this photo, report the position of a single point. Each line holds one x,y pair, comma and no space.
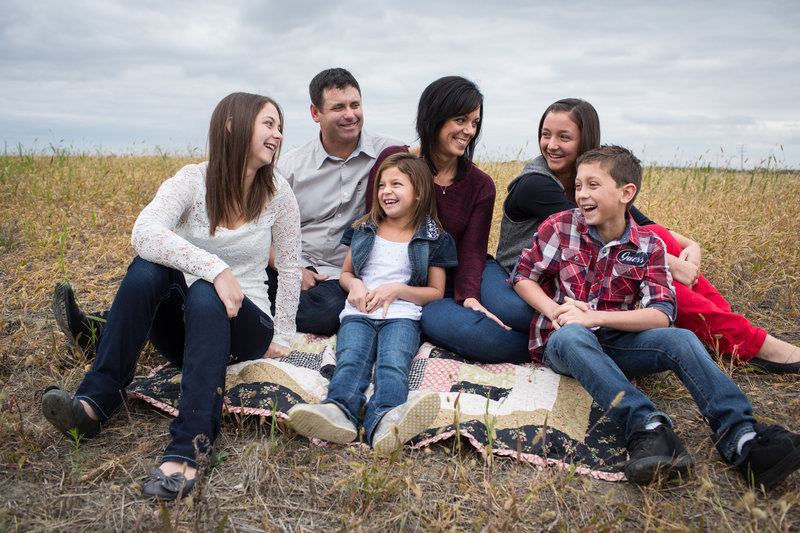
675,81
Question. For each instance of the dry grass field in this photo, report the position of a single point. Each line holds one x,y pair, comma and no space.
66,215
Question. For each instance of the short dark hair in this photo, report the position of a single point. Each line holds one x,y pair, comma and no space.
332,78
584,115
445,98
619,162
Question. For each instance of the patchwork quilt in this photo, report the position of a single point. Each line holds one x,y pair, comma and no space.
527,412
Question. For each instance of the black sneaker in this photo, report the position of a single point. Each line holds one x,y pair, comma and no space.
82,330
656,452
770,457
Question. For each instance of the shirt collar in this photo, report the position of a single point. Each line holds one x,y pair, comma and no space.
631,233
364,145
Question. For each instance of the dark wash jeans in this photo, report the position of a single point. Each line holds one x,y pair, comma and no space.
475,336
190,327
603,360
319,307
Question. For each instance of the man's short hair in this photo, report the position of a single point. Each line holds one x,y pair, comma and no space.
619,162
332,78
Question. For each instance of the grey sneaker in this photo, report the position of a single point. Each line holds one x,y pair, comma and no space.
406,421
323,421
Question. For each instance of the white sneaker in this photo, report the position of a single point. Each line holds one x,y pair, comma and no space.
406,421
323,421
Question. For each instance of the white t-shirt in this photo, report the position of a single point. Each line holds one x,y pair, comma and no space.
387,263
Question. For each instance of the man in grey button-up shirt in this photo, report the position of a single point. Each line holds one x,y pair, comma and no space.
329,178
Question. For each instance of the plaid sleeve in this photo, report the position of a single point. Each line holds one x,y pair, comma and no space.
542,258
656,289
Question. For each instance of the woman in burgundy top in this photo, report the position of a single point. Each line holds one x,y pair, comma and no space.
448,125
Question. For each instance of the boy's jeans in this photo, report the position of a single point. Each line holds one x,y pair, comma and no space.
190,327
603,360
391,346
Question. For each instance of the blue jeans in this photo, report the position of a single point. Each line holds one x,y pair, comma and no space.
319,307
391,346
190,327
603,360
474,335
501,299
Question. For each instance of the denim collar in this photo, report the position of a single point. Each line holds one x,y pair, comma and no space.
427,229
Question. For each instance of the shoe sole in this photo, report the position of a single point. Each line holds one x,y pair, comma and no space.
419,417
61,313
312,423
771,367
780,471
647,469
57,409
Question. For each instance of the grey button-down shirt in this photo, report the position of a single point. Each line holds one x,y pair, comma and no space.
330,193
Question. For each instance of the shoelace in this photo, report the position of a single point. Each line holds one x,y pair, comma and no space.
641,435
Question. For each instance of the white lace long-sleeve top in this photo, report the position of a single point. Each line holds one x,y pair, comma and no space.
180,203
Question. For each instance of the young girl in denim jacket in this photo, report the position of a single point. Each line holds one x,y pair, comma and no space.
395,265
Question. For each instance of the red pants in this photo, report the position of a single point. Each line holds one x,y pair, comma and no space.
704,311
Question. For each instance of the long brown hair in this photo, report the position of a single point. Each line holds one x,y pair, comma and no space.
229,136
421,178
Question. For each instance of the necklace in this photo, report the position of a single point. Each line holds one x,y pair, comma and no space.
444,189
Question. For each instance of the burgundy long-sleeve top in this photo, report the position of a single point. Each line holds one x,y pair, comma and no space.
465,210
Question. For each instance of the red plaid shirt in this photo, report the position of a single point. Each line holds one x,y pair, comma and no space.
568,259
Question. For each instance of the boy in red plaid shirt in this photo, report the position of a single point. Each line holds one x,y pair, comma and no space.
604,302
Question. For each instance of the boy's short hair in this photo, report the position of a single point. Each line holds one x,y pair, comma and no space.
619,162
332,78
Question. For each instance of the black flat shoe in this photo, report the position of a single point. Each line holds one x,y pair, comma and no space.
775,368
166,487
81,330
65,412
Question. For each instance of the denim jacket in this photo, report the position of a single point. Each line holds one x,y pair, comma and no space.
430,246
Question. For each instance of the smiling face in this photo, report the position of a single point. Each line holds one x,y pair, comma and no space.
396,194
266,138
340,119
560,143
601,201
456,133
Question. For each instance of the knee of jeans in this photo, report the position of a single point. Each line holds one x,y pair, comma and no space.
687,337
145,271
433,313
568,335
202,295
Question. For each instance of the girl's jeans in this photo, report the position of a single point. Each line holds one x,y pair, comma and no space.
190,327
391,346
